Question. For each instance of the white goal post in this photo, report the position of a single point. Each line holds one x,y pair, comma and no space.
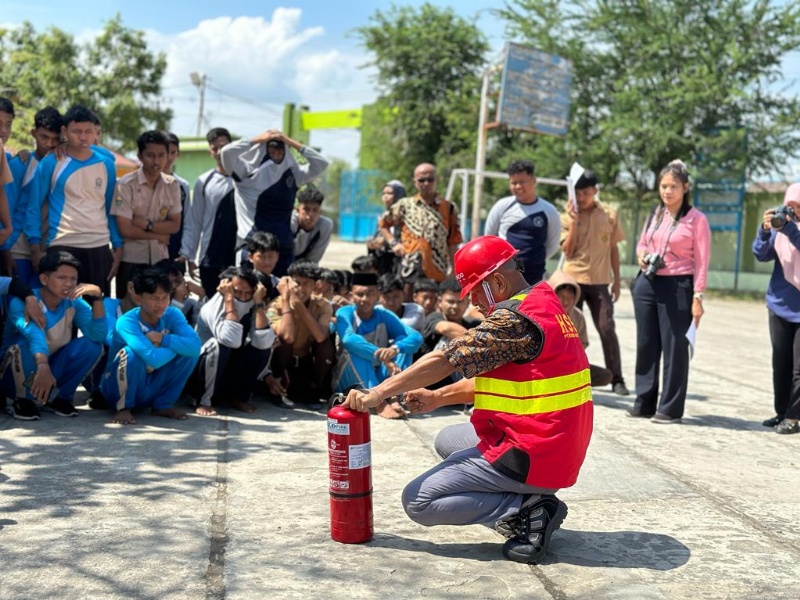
464,175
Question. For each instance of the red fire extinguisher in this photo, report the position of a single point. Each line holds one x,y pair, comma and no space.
350,462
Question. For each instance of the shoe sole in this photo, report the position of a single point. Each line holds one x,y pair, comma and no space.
666,422
525,552
59,413
25,417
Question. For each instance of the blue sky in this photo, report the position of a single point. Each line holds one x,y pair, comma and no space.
260,55
315,61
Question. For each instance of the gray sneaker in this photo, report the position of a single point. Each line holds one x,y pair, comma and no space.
533,527
534,510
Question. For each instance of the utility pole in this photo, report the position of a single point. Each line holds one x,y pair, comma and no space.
480,155
200,82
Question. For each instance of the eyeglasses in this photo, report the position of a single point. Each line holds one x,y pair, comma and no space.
426,179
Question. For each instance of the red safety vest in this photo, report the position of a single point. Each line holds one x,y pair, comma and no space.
534,420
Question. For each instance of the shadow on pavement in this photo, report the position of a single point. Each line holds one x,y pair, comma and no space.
481,551
612,400
620,549
616,549
722,422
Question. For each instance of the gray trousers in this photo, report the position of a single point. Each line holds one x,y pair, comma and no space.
464,489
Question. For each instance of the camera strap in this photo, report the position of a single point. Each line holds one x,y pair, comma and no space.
673,226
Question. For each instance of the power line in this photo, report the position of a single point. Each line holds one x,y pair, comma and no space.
250,101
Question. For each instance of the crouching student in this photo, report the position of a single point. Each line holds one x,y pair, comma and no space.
152,352
392,292
569,292
237,342
114,308
46,365
182,289
262,252
304,359
375,343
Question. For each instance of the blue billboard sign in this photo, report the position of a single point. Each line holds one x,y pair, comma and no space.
534,94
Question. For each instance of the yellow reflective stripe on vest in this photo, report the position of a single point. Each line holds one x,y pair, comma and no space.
533,397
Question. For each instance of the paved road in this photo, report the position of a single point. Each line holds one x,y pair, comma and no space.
236,507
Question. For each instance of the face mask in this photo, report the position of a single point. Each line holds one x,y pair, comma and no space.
242,307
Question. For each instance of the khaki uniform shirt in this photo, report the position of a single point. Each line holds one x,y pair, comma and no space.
134,197
598,231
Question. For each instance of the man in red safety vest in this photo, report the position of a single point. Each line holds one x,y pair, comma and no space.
527,373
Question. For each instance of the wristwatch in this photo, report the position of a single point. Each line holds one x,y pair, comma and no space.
149,226
698,296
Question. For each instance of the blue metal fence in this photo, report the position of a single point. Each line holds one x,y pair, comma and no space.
360,204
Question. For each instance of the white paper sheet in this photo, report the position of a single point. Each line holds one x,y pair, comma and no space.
691,335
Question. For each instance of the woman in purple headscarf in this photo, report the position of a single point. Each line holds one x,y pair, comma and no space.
778,239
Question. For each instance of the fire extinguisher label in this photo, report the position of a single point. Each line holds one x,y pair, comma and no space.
337,428
360,456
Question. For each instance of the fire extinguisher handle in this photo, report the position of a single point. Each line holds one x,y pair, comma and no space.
336,400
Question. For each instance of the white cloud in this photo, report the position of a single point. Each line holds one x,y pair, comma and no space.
256,65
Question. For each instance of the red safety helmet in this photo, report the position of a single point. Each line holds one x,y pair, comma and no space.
479,258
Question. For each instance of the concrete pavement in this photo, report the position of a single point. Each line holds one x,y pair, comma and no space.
237,507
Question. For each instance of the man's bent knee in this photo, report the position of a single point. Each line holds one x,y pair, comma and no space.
416,508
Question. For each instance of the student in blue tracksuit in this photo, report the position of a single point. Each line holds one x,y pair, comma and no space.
152,354
375,343
46,132
11,186
115,308
78,191
47,364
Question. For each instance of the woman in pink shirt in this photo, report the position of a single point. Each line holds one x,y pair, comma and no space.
673,252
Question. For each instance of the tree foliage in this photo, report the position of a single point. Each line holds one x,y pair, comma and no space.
428,62
115,75
653,81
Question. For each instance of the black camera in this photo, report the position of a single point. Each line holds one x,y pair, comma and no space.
654,262
782,214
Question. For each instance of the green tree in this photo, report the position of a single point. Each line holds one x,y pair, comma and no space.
653,81
115,74
428,62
